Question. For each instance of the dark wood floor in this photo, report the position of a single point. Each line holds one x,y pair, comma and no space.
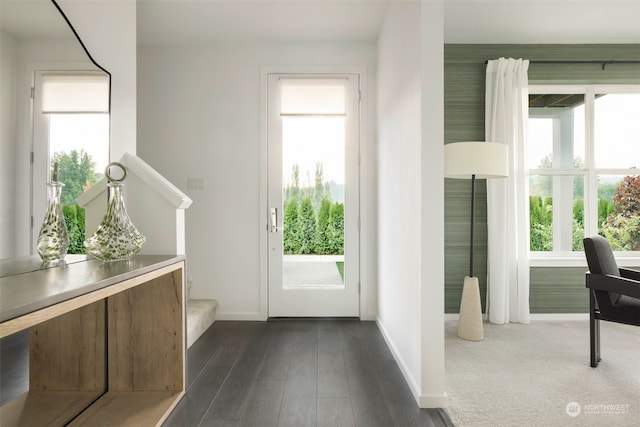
297,373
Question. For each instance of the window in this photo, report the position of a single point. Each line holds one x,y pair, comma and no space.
583,160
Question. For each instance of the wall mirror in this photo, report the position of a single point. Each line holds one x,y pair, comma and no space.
40,50
54,107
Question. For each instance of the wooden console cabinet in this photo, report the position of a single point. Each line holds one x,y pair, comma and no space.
106,340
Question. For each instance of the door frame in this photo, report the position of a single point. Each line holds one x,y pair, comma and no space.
366,312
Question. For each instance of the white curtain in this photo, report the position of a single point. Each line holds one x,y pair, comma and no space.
506,112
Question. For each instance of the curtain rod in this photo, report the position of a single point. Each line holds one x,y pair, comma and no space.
604,63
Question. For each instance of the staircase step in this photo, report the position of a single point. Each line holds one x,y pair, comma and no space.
201,313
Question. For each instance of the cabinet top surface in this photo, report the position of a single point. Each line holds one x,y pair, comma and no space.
26,285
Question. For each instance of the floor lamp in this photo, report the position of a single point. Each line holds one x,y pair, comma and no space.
474,160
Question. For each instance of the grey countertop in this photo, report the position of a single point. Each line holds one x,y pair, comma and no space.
27,285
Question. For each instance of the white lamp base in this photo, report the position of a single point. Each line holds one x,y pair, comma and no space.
470,323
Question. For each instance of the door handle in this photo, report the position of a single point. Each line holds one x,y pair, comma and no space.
274,220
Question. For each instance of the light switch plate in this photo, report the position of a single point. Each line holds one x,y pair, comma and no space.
195,184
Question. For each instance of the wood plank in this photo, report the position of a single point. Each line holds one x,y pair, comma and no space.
263,406
146,336
28,320
332,371
236,336
367,398
45,408
68,352
232,399
278,352
300,396
210,360
193,406
335,411
126,408
402,405
201,351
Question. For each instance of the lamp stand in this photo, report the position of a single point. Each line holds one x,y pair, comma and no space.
470,321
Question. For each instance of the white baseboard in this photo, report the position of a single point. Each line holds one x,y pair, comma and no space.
240,316
537,316
559,316
423,401
433,401
415,390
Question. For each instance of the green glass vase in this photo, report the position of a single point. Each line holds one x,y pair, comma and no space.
116,238
53,239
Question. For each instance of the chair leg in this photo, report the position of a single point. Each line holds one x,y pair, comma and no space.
594,332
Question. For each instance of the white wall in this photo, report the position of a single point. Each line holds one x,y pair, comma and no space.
399,172
410,183
108,30
199,116
8,137
432,378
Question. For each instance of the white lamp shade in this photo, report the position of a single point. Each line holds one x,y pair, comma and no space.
75,93
482,159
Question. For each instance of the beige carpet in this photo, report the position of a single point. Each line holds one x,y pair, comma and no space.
527,375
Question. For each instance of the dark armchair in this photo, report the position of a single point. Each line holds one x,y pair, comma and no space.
614,293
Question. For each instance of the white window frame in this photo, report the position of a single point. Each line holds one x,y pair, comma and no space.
571,258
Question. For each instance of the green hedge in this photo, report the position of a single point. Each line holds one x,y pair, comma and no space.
74,216
308,232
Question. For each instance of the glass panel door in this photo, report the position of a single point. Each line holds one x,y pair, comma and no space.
313,172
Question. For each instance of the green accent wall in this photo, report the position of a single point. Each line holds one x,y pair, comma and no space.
552,289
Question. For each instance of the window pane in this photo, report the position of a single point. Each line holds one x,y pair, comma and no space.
541,213
556,131
79,143
556,226
313,160
617,128
578,225
88,133
540,143
619,211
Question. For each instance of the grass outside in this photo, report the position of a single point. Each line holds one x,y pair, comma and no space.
340,265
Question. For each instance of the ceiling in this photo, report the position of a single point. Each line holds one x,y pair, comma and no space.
207,21
32,19
185,22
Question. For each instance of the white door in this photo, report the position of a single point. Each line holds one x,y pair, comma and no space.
313,200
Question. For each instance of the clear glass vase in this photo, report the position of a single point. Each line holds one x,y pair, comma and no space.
116,238
53,239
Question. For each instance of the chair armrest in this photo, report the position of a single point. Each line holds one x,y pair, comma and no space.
630,274
615,284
